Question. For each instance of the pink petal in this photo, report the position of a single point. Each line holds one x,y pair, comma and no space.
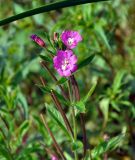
60,72
73,59
67,73
73,68
69,53
55,59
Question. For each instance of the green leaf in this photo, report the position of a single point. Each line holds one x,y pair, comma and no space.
86,61
17,8
106,146
125,103
104,106
27,151
101,34
50,42
117,81
45,89
55,115
115,105
23,128
61,98
42,130
77,145
5,152
61,80
68,156
85,99
22,99
50,51
45,58
80,106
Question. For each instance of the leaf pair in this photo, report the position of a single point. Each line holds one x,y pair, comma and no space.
80,105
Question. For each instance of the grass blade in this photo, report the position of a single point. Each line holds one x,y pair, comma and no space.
46,8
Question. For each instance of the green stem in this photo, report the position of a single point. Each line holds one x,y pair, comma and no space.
75,130
46,8
77,98
74,124
73,117
90,154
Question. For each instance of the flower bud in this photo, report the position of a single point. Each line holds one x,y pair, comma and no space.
55,36
38,40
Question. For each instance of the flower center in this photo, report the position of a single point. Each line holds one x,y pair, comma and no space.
70,41
64,64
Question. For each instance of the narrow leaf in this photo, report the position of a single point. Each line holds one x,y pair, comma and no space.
22,99
5,152
77,145
86,61
50,42
61,98
55,115
101,34
23,128
85,99
61,80
45,89
45,58
107,146
117,81
80,106
104,106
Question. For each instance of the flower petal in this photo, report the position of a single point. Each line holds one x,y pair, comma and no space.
60,72
69,53
74,68
67,73
73,59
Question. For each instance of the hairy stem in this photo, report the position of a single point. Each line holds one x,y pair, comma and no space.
54,140
59,107
77,97
73,116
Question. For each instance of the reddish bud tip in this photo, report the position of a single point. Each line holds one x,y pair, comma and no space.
38,40
55,36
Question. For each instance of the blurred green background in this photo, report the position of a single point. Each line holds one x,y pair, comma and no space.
107,29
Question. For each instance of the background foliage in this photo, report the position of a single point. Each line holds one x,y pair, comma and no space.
108,32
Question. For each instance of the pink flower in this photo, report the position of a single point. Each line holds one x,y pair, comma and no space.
65,62
38,40
71,38
53,157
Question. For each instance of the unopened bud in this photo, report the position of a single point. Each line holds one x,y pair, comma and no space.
55,36
38,40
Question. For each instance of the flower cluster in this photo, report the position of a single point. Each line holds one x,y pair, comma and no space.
65,62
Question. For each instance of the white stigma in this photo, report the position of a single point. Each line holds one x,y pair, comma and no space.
70,41
64,64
